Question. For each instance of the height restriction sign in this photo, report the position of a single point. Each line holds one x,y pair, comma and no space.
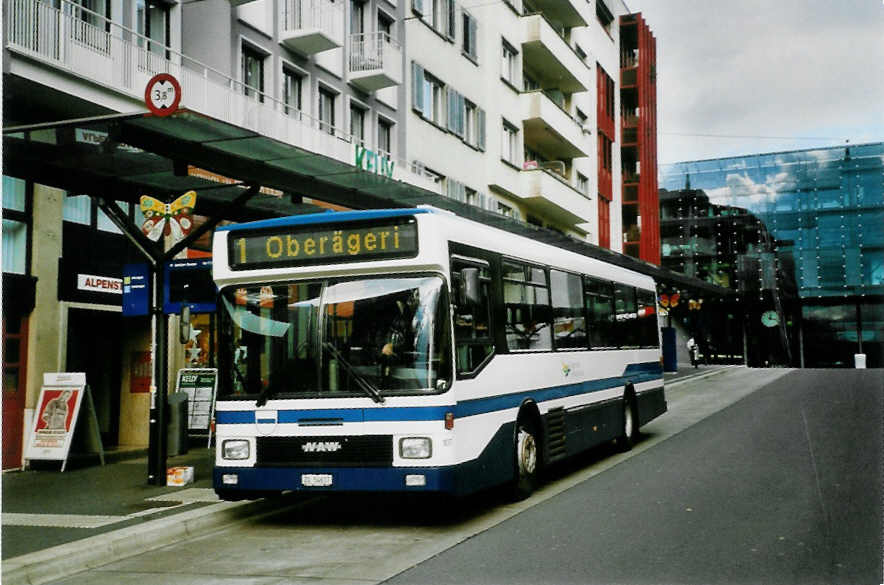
162,94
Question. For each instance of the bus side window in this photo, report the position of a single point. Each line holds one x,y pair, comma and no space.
627,316
600,310
647,318
473,338
528,312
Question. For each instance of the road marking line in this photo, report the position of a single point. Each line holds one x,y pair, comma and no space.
60,520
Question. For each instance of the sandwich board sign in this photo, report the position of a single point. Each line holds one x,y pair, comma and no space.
58,408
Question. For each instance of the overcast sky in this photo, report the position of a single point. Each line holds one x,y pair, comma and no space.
784,69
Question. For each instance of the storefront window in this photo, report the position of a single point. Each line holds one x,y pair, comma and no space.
78,209
13,194
15,246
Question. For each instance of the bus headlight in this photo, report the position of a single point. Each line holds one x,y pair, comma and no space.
235,449
415,448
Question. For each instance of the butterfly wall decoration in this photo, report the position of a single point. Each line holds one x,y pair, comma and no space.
167,218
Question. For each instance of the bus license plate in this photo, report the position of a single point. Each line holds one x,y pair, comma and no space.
316,479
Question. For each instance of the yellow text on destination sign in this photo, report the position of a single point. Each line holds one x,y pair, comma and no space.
293,246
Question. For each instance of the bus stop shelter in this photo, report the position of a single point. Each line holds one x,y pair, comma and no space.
121,157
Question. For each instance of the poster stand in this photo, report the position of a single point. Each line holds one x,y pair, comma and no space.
201,386
55,422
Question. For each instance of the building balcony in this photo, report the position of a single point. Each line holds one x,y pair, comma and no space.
569,13
375,61
551,58
311,26
108,66
552,197
551,130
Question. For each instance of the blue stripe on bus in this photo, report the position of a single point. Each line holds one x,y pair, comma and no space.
325,217
634,373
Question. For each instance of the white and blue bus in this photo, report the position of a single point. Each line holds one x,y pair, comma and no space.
414,350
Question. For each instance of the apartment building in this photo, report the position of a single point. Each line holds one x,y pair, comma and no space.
502,108
638,97
508,106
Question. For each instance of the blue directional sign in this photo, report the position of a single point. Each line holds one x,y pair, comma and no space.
136,290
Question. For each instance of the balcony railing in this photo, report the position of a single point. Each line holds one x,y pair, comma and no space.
311,26
86,45
375,61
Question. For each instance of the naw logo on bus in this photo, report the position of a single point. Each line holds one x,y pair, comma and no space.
321,447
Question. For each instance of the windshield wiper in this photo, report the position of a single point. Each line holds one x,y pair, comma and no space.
363,384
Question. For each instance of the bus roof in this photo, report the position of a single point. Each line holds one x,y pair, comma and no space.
324,217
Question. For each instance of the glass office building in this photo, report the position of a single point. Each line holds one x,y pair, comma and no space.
799,236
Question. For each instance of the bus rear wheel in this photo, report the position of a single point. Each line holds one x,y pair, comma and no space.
629,432
527,460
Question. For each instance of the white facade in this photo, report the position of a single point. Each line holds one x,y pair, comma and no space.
532,78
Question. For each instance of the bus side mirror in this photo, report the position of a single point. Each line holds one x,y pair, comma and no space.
184,324
469,291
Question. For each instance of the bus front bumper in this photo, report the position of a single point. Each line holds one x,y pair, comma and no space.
335,479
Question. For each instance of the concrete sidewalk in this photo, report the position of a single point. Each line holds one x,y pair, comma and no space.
56,524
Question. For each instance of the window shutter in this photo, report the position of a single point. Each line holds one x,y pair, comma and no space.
417,86
451,100
452,20
474,27
461,107
480,130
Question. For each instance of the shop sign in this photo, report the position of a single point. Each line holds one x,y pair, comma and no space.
374,162
102,284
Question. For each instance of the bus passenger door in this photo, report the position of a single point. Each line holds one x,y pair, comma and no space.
473,324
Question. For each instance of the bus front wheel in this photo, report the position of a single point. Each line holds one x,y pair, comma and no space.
526,460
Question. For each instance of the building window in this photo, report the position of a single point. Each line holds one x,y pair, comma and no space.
385,25
103,222
505,210
292,86
583,184
152,22
77,209
433,92
604,15
470,31
15,226
326,110
508,63
604,222
357,17
357,123
252,72
510,143
385,136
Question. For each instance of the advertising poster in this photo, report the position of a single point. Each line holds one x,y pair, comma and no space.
56,418
200,385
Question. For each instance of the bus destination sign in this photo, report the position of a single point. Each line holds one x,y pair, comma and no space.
304,245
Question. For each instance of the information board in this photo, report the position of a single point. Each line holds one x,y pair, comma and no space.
200,385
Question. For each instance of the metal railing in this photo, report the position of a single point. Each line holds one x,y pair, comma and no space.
87,45
368,51
324,15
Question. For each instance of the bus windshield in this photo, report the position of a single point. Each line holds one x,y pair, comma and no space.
375,336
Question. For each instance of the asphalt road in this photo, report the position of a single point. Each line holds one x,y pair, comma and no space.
753,476
781,487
